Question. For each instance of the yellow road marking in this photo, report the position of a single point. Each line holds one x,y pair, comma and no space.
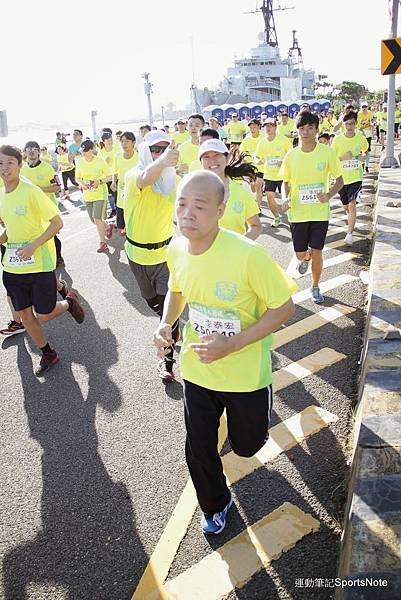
292,332
163,555
282,437
151,583
325,286
310,364
219,573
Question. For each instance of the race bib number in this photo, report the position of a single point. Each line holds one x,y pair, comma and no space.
351,165
273,161
206,321
308,194
14,260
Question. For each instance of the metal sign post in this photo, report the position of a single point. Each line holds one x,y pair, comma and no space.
390,64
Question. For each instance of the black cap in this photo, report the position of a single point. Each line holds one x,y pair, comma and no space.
87,145
32,145
106,135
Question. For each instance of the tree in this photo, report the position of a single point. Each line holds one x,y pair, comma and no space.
351,91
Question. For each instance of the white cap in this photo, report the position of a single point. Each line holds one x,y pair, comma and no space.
156,136
270,121
364,103
212,146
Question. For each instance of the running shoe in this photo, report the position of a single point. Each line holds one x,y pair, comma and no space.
63,290
109,231
75,308
214,524
13,328
165,370
348,239
48,360
103,248
277,222
303,266
316,295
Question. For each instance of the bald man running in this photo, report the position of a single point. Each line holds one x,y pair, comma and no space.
237,296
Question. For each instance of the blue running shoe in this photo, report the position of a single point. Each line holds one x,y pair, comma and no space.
316,295
216,523
302,266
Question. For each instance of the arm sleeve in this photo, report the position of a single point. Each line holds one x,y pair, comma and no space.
268,280
285,171
251,206
335,165
172,281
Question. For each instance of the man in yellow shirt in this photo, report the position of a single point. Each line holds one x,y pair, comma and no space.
188,151
236,131
149,213
271,150
350,148
182,134
237,297
306,171
285,126
249,145
31,220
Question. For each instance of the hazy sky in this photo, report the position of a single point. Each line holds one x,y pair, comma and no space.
60,60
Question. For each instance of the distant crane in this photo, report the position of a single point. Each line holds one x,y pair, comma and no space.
267,11
295,52
148,90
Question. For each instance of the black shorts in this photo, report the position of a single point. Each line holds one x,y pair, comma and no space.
259,175
350,192
120,218
32,289
311,234
272,186
383,131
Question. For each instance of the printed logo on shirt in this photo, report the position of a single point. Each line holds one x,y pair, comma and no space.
226,290
20,210
40,176
238,206
321,166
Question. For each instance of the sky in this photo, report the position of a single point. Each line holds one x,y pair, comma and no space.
90,54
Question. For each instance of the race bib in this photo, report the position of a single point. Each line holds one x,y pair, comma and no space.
351,165
308,193
236,137
14,260
206,321
273,161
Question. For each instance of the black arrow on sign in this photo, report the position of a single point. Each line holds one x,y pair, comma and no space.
395,50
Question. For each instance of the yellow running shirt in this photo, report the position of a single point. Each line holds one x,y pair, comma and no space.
351,168
364,123
148,220
26,213
91,170
273,153
249,144
188,153
109,158
287,129
123,165
63,162
195,165
381,118
180,138
236,131
227,296
47,158
42,175
241,206
308,175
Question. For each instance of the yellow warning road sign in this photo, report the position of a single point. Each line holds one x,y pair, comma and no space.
391,56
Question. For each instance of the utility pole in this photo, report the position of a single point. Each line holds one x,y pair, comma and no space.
390,160
148,90
163,115
93,117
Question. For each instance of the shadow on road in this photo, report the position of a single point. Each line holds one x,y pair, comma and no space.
88,544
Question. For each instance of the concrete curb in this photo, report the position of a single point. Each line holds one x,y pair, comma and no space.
371,544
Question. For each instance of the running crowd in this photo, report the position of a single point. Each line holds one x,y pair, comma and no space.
188,204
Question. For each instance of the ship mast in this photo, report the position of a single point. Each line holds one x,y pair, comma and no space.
270,26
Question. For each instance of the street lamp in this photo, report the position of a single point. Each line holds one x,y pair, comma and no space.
148,90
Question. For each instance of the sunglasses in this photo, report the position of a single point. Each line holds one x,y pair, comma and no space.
157,149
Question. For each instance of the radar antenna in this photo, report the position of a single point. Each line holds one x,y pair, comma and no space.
295,52
267,11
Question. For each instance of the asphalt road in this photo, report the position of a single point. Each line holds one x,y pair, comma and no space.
92,456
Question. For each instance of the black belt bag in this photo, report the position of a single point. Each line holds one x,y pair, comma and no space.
150,246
